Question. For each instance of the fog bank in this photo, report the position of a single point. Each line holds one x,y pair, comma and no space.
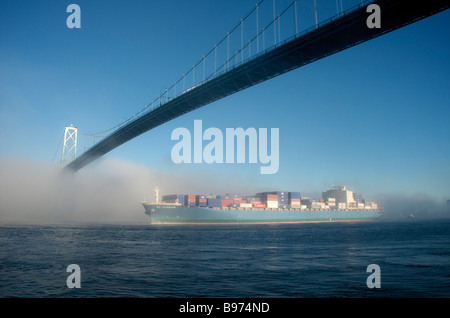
111,191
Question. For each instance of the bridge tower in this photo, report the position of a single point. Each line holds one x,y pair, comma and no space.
69,151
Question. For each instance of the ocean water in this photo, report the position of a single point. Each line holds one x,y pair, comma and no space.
239,261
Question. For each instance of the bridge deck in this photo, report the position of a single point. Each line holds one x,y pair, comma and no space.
335,36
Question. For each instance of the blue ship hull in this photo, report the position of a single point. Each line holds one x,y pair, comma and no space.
176,214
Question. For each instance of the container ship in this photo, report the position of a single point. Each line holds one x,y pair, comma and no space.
337,204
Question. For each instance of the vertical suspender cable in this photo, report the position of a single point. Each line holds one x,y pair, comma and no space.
242,41
315,11
257,41
228,48
274,26
279,29
264,39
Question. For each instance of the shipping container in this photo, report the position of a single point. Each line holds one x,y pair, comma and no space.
260,205
245,205
294,195
214,202
174,198
226,202
272,204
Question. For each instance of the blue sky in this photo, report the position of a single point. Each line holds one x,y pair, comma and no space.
374,117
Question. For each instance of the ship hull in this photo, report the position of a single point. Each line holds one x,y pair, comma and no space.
170,214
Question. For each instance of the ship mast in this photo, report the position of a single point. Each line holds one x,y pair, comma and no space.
156,194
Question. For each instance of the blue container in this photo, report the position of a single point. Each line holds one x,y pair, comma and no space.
294,195
214,202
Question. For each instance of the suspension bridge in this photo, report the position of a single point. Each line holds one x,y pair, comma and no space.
255,50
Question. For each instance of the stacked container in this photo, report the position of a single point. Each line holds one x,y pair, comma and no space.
283,198
191,200
259,205
201,200
175,198
238,200
318,205
331,202
227,202
211,202
256,204
271,200
294,199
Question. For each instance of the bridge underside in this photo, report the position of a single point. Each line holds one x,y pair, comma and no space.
338,35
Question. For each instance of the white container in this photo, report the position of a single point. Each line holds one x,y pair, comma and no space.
272,204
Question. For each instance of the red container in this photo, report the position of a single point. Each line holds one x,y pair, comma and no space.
255,202
260,205
226,202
